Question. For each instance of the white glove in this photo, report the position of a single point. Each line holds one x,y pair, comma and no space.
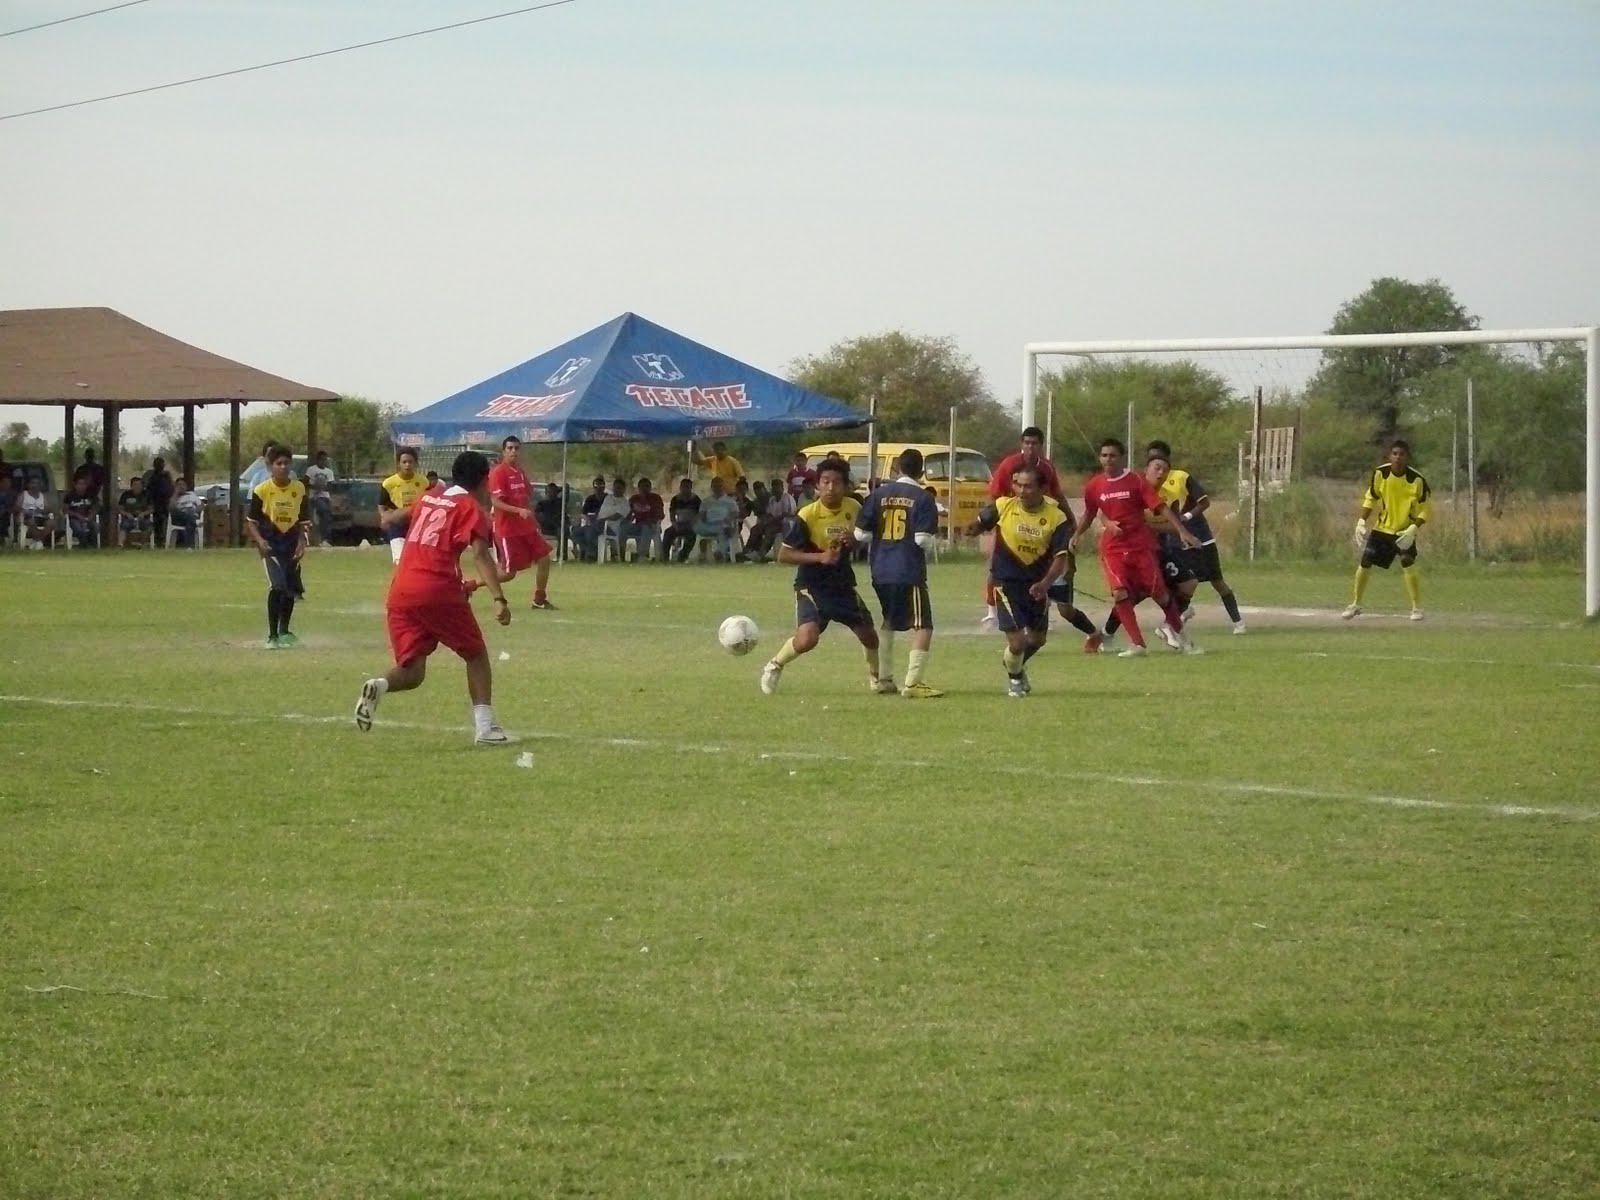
1406,538
1360,536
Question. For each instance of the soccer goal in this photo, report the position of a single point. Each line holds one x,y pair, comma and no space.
1505,424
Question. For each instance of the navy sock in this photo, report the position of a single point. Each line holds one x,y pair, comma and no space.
1079,621
1231,603
274,612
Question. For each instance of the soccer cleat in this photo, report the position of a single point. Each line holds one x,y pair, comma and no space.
883,687
1027,684
770,674
1133,652
544,604
1187,614
1353,611
492,736
1014,688
272,643
1238,628
989,621
1092,643
1166,633
1416,614
367,706
920,691
287,640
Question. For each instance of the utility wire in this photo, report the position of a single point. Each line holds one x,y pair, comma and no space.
399,37
64,20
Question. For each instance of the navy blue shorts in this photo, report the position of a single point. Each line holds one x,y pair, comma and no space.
1016,609
905,605
821,608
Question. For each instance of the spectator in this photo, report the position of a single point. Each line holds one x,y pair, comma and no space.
715,529
259,471
588,532
8,504
800,476
92,471
645,514
613,511
133,509
318,476
720,463
158,486
185,513
547,511
37,519
684,511
83,512
772,520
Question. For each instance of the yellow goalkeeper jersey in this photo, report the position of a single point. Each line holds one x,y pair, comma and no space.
1396,498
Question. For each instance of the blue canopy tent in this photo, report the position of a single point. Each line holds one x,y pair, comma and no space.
629,380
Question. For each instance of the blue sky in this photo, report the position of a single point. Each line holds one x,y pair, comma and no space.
773,177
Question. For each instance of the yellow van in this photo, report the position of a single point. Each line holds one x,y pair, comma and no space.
971,473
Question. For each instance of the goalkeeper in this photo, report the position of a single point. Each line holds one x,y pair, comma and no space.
1399,496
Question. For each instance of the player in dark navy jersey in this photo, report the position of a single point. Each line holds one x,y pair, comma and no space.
900,521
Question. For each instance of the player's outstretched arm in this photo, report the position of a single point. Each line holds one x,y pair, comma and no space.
489,573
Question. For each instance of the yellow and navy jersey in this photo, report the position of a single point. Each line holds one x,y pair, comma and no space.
1396,498
279,510
396,492
894,514
1182,491
1026,540
815,528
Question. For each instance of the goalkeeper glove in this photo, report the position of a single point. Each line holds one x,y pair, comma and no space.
1360,536
1406,538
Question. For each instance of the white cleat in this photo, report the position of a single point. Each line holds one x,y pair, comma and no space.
880,685
770,674
1187,614
1133,652
989,622
367,706
1173,640
1416,614
492,736
1238,628
1353,611
1015,689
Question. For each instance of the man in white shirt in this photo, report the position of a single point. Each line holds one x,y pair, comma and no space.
257,472
718,513
613,511
185,512
318,476
36,518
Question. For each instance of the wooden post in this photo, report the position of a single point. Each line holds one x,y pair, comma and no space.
311,431
65,484
188,443
108,461
235,504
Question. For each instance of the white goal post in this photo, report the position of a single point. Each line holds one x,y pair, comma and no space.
1588,335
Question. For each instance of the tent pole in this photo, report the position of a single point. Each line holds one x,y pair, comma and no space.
561,534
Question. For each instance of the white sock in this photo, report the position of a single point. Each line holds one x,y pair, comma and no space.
380,684
994,613
482,718
916,666
885,654
397,545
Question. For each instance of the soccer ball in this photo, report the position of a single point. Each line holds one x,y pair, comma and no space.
738,635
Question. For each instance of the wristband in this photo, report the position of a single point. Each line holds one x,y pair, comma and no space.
502,600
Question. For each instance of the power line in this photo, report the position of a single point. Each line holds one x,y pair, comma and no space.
64,20
399,37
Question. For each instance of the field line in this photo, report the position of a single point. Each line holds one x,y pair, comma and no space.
1217,786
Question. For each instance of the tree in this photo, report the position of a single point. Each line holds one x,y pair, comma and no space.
18,443
354,432
1376,385
916,381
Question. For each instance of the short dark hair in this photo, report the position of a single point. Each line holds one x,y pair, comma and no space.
1032,431
644,484
280,451
685,480
510,439
402,451
181,479
600,479
1117,442
470,468
837,465
911,462
1159,447
1025,469
1400,444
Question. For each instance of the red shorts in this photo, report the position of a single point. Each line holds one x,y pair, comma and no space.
1134,571
417,630
518,549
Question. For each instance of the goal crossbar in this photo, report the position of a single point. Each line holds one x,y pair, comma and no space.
1589,335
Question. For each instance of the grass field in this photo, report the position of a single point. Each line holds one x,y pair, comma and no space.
1314,915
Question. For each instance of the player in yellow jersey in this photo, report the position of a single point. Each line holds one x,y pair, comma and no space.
820,543
396,495
1399,496
280,514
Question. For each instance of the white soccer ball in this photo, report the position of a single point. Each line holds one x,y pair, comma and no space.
738,635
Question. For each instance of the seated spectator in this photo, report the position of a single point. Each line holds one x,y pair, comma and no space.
547,511
133,512
684,511
186,512
613,512
719,516
38,522
645,514
587,533
8,505
772,520
83,513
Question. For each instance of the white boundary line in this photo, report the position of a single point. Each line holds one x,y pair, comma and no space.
1223,787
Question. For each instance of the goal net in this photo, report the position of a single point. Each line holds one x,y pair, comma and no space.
1504,424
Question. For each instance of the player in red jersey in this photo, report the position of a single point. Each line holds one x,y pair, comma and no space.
427,603
1028,454
1128,549
518,544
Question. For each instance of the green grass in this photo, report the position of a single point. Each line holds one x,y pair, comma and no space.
1275,922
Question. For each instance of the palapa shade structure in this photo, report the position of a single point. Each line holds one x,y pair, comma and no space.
96,357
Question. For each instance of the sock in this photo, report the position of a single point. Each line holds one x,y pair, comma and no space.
988,594
1413,584
917,664
1362,575
1126,620
1012,662
538,595
274,612
786,654
872,667
1231,603
885,654
381,683
1079,621
482,718
1113,622
285,611
1029,651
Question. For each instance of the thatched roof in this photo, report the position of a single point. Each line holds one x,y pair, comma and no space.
98,356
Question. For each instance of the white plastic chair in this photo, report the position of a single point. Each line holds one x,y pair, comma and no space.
199,531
